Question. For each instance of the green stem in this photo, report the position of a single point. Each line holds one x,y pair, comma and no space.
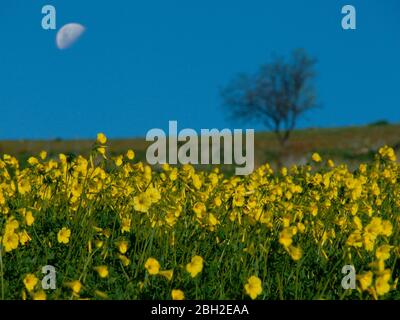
2,272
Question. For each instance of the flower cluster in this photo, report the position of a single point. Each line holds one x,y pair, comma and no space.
117,228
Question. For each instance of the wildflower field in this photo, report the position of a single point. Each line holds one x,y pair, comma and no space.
115,228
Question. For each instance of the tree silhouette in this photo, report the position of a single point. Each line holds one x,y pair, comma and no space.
277,95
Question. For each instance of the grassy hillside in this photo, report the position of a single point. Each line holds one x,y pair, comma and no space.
349,144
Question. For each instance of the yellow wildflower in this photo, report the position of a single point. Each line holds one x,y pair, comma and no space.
177,294
253,287
316,157
130,154
168,274
101,138
195,266
123,246
102,271
30,281
63,235
152,266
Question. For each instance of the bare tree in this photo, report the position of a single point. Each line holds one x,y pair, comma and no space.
278,94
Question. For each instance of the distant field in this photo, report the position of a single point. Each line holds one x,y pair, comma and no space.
349,144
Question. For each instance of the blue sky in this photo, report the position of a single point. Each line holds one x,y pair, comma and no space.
143,63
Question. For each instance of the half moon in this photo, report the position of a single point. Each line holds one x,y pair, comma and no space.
68,35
